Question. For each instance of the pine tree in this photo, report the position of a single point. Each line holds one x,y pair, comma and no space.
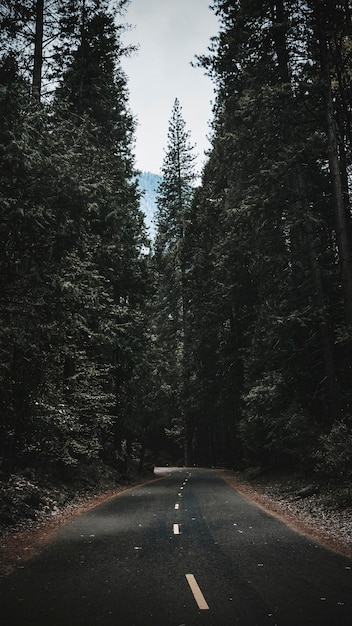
268,281
73,269
27,235
106,267
331,26
28,29
174,200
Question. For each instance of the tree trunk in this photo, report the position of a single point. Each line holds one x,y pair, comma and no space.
341,224
334,393
334,396
38,51
15,412
142,453
279,33
189,432
333,388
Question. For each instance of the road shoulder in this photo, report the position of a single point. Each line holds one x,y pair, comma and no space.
17,545
314,515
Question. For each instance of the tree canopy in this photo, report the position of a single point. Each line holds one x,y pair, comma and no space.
72,237
226,340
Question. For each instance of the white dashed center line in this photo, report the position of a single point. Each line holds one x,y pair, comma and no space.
198,596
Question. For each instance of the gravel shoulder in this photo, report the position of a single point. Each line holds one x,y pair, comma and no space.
321,512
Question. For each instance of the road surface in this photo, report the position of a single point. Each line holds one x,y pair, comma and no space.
184,550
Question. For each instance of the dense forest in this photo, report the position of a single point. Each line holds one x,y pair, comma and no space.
74,279
226,340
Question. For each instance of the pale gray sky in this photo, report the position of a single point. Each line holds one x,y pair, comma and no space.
169,34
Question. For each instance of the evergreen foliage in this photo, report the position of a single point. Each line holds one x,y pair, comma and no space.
232,339
174,201
270,237
73,269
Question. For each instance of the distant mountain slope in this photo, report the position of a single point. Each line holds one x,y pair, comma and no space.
148,183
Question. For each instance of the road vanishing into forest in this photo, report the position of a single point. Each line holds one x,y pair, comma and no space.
184,550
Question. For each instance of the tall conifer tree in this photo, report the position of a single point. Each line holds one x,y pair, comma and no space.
106,265
72,267
276,254
173,212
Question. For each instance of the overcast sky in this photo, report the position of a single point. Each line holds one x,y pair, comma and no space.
169,34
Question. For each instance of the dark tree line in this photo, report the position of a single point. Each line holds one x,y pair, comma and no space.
266,265
73,273
230,343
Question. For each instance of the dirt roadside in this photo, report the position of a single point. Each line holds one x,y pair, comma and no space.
17,545
320,515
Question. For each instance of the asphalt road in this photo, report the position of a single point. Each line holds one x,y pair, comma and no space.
185,550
